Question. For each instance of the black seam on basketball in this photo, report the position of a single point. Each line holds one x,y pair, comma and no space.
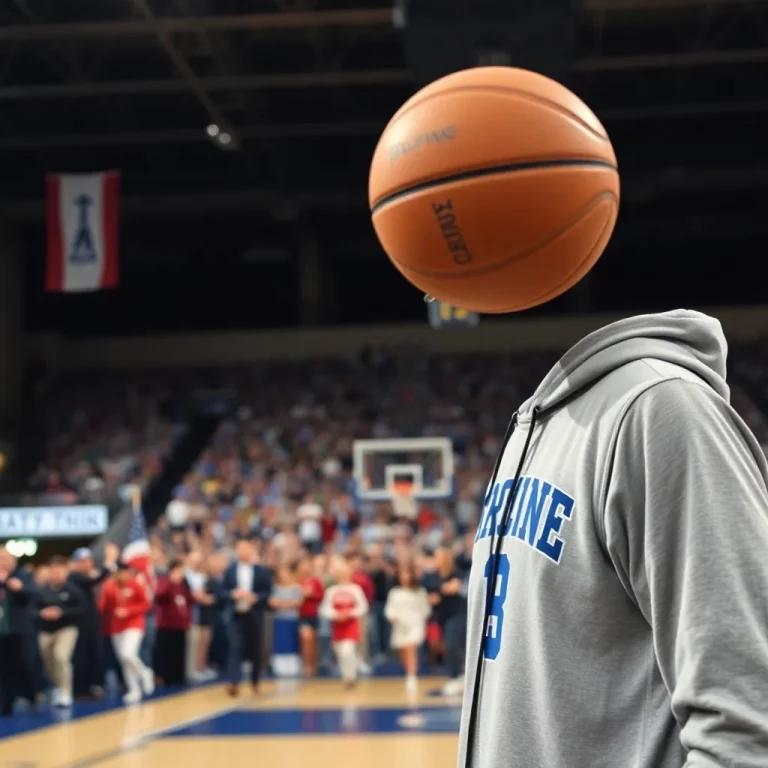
495,170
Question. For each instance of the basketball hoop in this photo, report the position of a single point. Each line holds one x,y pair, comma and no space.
378,465
403,501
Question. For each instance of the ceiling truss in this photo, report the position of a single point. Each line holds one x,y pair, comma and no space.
212,64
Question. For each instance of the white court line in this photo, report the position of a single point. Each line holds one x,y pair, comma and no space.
142,739
134,742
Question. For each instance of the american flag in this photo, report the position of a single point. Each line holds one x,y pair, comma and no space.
137,553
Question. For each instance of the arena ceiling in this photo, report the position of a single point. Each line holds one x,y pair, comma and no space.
304,87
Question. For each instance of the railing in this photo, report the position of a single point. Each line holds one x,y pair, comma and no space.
61,498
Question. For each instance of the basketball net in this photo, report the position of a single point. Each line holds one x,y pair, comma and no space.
403,503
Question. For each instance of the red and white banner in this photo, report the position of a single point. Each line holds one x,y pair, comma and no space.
82,213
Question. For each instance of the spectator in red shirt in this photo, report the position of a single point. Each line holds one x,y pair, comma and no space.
123,605
365,582
173,614
426,519
328,526
344,604
312,590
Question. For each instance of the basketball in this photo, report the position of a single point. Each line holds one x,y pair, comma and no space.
494,189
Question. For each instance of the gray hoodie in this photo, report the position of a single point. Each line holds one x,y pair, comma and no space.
628,624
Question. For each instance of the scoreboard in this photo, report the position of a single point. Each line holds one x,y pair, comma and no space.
442,315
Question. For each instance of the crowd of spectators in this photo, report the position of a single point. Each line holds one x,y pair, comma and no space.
289,428
283,456
265,531
70,627
102,432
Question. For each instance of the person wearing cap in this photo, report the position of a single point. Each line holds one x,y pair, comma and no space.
89,658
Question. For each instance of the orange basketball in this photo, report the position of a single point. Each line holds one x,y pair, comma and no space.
494,189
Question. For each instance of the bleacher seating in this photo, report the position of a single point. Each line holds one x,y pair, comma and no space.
102,432
291,427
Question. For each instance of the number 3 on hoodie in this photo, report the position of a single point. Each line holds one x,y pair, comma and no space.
495,622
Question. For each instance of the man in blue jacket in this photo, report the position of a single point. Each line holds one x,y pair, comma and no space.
248,586
18,594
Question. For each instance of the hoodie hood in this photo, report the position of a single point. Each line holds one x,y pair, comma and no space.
686,338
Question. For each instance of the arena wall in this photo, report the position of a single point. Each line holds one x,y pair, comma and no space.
232,348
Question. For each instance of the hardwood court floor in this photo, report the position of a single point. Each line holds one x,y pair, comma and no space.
290,725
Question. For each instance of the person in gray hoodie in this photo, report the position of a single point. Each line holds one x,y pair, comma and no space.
618,599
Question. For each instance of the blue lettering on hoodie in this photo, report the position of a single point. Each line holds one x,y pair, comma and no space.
540,509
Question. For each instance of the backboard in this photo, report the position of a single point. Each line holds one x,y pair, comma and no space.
424,462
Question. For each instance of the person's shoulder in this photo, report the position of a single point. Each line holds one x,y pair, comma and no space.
78,579
678,409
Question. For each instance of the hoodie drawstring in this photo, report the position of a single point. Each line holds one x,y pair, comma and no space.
495,548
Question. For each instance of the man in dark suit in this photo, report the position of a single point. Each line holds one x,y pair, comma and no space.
248,585
89,659
18,596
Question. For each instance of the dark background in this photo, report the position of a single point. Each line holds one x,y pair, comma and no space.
211,239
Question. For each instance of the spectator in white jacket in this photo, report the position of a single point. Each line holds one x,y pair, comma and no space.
407,610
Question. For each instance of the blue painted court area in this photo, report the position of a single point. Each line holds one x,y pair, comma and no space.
361,720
